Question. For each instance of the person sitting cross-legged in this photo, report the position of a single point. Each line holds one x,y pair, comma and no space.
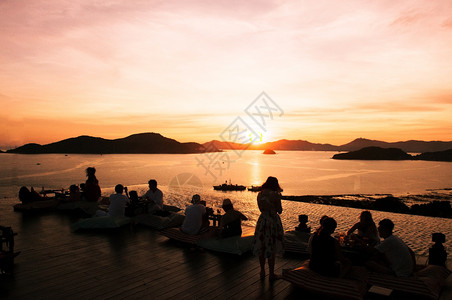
326,257
231,221
194,216
118,203
392,255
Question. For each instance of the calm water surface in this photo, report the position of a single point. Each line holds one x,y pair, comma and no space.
299,173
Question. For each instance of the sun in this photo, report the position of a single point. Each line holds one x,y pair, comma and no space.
262,138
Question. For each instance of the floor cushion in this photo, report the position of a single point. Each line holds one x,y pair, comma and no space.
176,234
171,208
352,287
158,222
233,245
296,242
100,223
40,205
426,283
87,207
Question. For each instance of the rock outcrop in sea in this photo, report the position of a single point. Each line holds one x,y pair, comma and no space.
269,151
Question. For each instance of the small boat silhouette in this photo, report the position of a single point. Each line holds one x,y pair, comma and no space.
229,187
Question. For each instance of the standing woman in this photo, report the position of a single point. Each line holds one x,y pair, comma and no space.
269,233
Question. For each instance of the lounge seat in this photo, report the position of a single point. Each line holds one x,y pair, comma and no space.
159,222
37,206
424,284
233,245
296,242
352,287
178,235
101,223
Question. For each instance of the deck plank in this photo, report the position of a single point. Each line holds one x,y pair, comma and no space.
56,263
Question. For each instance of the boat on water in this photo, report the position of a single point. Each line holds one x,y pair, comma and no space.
256,188
229,187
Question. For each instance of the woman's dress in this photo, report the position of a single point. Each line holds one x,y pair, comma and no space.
269,233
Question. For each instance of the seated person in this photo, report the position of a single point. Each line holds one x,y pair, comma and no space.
74,193
27,196
194,216
302,227
437,254
326,256
91,188
154,196
205,217
231,221
367,230
309,247
118,203
392,255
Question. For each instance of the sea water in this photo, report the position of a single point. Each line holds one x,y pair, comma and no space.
180,176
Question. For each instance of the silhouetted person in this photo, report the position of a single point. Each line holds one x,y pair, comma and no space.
326,256
437,255
154,196
118,203
194,215
392,255
231,221
367,230
322,218
74,193
269,233
27,196
91,190
303,227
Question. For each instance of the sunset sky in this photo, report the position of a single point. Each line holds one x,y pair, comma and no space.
339,70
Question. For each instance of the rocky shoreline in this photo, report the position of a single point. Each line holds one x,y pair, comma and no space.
434,203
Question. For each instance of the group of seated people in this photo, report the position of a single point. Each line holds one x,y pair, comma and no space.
196,215
197,219
30,195
89,191
120,201
389,256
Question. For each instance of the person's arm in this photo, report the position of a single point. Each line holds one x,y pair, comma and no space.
413,258
224,220
262,202
99,193
353,228
278,204
145,196
243,217
160,200
378,253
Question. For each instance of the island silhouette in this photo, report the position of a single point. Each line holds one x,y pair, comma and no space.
142,143
378,153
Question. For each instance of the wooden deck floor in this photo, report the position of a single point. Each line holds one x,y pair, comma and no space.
121,264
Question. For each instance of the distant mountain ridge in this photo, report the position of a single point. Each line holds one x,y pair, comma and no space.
156,143
412,146
133,144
